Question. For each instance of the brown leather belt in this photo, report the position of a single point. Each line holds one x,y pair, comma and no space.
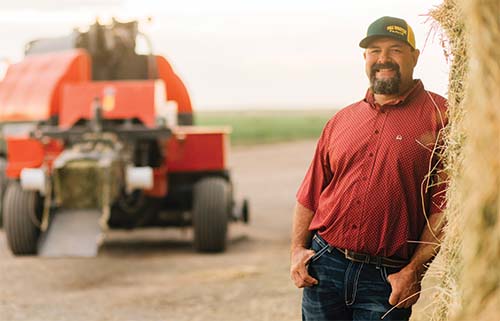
377,260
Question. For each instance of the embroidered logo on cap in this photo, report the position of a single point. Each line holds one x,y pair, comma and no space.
397,29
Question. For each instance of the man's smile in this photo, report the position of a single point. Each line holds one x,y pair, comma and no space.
386,72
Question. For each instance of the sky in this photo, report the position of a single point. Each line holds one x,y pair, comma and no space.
235,54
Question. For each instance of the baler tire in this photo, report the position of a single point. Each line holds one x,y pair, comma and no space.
19,207
211,200
3,184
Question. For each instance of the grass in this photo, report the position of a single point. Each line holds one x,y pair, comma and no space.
264,127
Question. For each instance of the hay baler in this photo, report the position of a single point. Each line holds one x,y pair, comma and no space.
98,137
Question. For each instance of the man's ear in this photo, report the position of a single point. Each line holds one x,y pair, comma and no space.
415,54
364,54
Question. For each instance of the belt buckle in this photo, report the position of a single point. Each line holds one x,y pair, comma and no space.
366,258
357,257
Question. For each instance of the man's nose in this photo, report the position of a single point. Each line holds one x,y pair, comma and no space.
383,58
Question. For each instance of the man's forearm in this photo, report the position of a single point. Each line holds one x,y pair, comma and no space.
429,244
299,252
406,283
301,236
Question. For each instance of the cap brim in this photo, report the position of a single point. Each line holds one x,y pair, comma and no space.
366,41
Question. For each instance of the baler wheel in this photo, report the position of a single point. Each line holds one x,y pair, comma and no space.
3,184
211,204
20,212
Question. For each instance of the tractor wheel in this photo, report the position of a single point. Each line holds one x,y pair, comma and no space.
3,183
21,209
211,204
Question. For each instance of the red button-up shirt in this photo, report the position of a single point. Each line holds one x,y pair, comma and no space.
369,184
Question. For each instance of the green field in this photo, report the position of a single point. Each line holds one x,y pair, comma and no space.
262,127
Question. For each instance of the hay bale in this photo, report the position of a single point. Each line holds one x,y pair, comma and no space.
82,183
448,264
480,180
468,263
77,184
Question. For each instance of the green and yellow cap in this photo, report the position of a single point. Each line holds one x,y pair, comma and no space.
389,27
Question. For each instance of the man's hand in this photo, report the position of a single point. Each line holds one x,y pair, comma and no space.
405,284
298,270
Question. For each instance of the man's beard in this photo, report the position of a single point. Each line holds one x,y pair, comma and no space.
385,86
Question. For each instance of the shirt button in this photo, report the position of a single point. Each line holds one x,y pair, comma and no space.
354,226
358,202
376,131
371,154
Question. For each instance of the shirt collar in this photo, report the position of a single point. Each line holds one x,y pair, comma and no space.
418,86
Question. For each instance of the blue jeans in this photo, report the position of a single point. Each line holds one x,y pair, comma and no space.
347,290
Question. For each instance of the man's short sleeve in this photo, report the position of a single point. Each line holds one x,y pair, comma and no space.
318,175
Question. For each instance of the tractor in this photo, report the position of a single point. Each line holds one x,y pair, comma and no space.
97,137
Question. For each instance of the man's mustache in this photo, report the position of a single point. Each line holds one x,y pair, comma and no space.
388,65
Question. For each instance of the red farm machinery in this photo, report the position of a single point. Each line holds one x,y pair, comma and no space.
98,137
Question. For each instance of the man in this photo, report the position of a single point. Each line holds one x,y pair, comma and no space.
368,214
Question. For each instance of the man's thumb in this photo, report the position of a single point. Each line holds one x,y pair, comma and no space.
393,299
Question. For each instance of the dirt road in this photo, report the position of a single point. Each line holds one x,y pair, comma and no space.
155,274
